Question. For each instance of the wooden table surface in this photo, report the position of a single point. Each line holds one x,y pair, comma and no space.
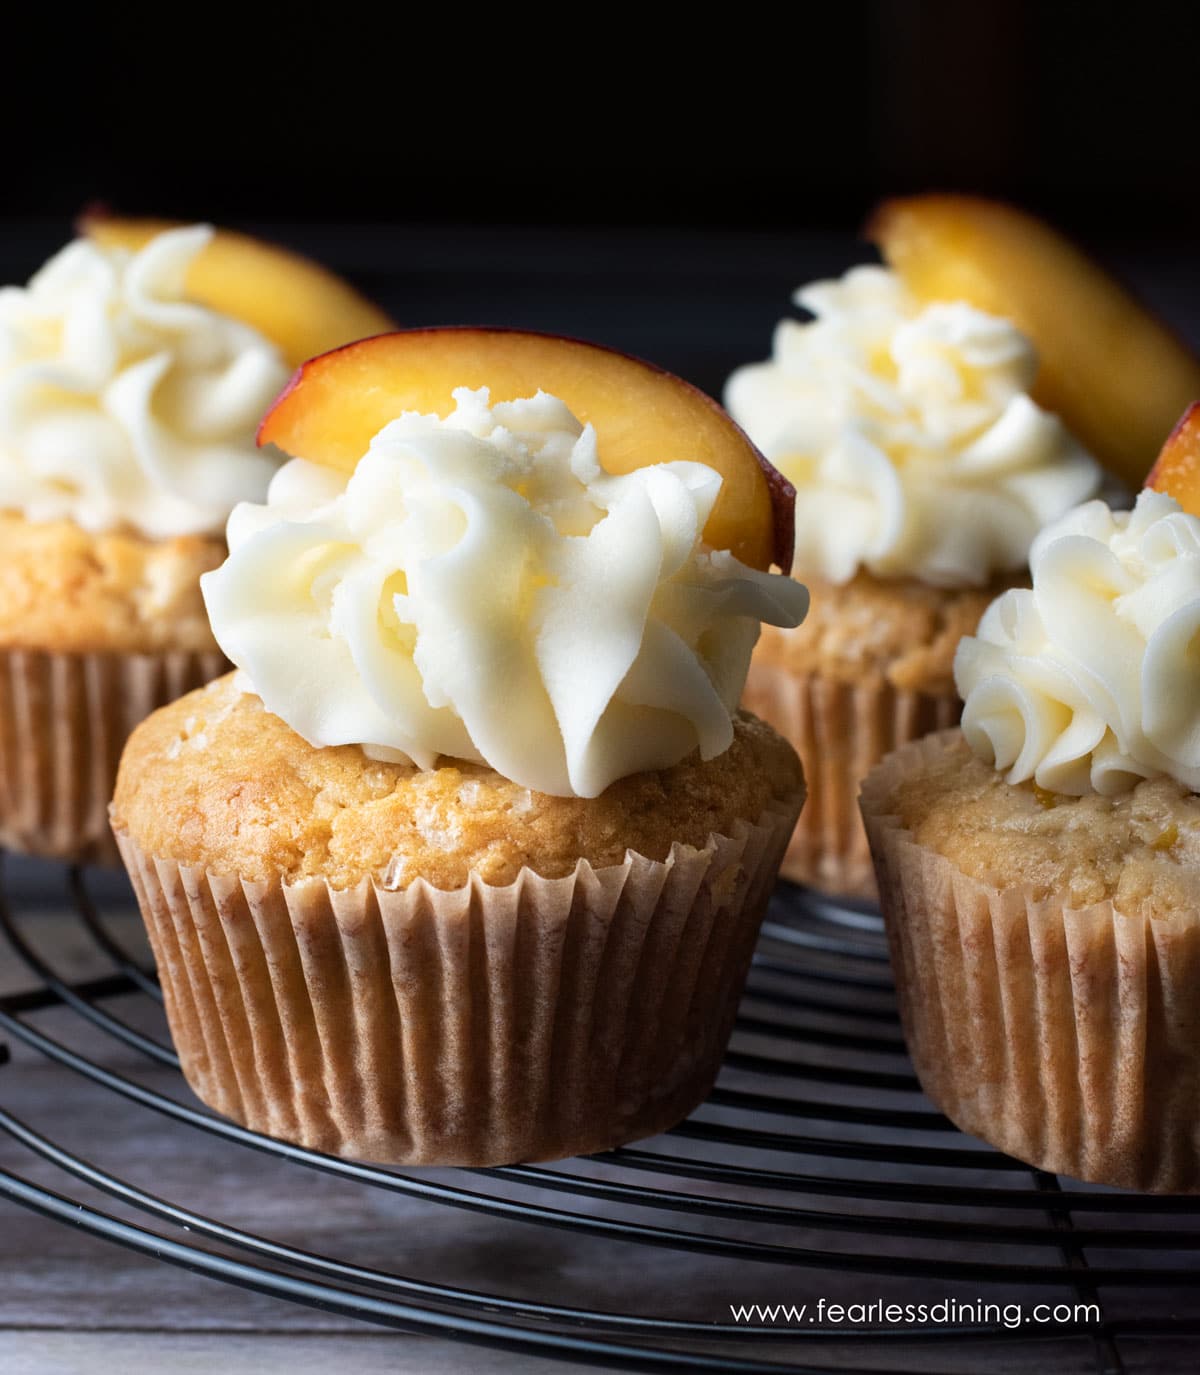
699,304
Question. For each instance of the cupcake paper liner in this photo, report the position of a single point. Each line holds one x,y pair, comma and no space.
840,731
1067,1037
64,719
479,1026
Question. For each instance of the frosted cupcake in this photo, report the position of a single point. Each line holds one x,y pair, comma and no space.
1040,868
923,470
127,420
466,863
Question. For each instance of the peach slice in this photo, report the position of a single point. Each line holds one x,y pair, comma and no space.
1177,470
336,404
1115,374
296,303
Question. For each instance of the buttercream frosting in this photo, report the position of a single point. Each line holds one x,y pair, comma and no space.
1091,680
909,434
122,403
481,588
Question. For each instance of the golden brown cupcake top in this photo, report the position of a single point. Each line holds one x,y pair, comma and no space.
65,589
1141,848
216,780
876,630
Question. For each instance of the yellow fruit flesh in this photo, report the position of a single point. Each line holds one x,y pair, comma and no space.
337,404
1177,471
296,303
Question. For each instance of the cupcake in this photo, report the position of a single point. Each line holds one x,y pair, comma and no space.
1039,868
127,419
923,470
933,416
466,863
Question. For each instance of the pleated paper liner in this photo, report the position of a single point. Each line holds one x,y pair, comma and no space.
481,1026
1067,1037
840,731
64,719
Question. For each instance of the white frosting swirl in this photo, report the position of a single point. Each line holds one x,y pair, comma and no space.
481,588
1092,679
909,435
122,403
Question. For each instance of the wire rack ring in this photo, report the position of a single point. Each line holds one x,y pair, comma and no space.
815,1162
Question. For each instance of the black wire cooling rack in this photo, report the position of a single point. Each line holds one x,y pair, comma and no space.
814,1169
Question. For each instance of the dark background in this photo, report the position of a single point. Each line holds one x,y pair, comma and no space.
658,180
771,118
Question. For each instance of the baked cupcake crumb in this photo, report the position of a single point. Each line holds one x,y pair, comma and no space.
872,630
66,590
216,780
1141,849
